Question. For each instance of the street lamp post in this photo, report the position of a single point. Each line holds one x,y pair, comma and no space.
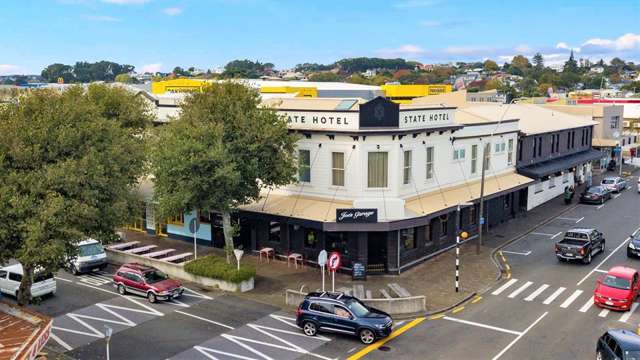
459,235
108,333
481,220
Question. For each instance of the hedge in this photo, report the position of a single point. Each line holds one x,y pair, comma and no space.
216,267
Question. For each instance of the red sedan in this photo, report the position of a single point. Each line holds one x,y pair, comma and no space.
618,289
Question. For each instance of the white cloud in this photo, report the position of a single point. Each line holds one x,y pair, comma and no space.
629,41
563,45
407,50
523,49
415,3
151,68
466,50
102,18
8,69
172,11
126,2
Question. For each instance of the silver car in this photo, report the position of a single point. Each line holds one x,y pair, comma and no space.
614,183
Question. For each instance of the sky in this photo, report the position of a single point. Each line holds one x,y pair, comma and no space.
157,35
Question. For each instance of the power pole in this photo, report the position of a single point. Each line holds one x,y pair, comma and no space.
481,216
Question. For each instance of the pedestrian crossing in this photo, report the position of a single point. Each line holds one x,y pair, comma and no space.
562,297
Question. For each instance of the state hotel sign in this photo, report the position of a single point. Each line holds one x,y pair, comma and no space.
426,118
325,120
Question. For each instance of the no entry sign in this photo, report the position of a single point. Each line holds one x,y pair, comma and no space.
334,261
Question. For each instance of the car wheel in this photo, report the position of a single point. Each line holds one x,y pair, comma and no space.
587,260
74,270
599,355
151,297
309,328
602,247
122,290
602,200
366,336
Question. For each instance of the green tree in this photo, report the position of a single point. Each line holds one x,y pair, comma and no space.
179,71
325,76
571,65
220,153
538,62
358,79
125,79
55,71
490,65
632,86
66,172
520,62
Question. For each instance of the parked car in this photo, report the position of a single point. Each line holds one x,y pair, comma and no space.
580,244
10,277
146,281
614,183
618,289
340,313
633,247
91,256
618,344
595,195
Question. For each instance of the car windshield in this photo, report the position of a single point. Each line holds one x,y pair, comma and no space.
616,282
632,355
42,276
358,308
608,181
154,276
594,190
91,249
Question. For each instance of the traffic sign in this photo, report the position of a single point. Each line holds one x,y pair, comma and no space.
334,261
482,221
322,258
194,225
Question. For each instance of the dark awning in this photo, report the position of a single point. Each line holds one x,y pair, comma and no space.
560,164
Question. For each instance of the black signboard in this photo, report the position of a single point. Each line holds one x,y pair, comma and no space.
379,112
359,271
356,215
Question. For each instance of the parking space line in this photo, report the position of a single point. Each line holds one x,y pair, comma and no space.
60,341
582,218
607,258
504,287
587,305
196,294
520,336
205,320
570,219
600,206
381,342
535,294
553,296
628,314
520,289
63,279
556,235
604,313
541,234
517,253
571,299
615,196
473,323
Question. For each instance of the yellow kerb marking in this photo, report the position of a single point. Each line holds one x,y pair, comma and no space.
458,309
477,298
360,354
435,317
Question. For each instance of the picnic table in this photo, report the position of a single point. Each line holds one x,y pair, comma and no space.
295,257
175,258
125,245
266,251
159,253
141,249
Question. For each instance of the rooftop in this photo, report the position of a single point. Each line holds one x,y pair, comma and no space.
23,333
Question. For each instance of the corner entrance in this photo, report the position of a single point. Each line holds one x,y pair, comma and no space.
377,252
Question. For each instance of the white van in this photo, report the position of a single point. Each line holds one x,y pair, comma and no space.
11,276
91,256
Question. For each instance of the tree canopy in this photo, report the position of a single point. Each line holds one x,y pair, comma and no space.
84,72
68,161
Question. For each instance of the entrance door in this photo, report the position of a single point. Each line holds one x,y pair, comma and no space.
522,199
161,228
377,252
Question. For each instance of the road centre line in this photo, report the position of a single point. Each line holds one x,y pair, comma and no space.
504,287
517,253
381,342
205,320
520,336
472,323
571,299
520,289
556,235
607,258
553,296
535,294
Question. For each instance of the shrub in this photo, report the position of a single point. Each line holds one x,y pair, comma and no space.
216,267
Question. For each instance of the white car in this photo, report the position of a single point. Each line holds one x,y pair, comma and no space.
91,256
11,276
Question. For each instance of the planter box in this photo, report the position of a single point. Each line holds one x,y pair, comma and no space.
393,306
177,271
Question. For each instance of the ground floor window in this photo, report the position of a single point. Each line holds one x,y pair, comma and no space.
473,215
444,226
310,238
274,231
408,238
337,241
428,239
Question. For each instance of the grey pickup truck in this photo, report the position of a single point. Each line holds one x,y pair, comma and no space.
580,244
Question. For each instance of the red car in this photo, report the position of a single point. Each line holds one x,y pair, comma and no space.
146,281
618,289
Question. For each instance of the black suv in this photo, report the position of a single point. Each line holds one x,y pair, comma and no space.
340,313
618,344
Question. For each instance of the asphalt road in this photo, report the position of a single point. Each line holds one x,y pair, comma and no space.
544,310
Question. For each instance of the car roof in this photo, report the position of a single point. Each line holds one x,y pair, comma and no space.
611,178
581,230
626,339
621,271
335,296
88,241
136,266
15,268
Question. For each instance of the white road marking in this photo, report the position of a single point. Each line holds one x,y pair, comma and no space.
570,219
571,299
600,206
63,279
205,351
59,341
628,314
197,294
504,287
519,336
536,293
553,296
607,258
587,305
541,234
482,325
517,253
615,196
205,320
582,218
520,289
604,313
556,235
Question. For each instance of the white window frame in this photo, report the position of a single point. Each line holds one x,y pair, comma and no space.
406,169
510,153
459,154
429,163
474,159
336,169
